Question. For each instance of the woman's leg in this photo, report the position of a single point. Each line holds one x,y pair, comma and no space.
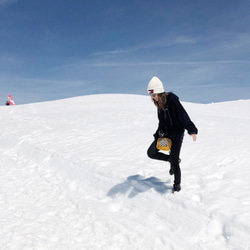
174,159
154,153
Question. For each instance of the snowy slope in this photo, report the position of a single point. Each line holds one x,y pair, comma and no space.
74,175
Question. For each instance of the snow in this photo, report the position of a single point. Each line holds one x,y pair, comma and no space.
75,175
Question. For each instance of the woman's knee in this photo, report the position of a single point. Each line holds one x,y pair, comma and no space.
150,153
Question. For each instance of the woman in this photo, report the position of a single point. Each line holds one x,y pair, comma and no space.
173,120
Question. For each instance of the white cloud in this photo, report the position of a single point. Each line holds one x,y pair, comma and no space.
157,43
8,58
114,12
240,41
119,64
112,52
186,40
6,2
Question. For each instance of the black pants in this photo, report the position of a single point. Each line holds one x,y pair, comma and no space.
173,156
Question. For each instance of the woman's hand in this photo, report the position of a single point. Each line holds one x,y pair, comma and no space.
194,137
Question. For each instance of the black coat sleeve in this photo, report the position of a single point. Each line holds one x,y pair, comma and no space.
185,119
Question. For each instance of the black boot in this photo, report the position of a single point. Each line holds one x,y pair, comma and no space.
176,188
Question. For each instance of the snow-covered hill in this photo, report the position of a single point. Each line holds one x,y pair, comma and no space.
75,175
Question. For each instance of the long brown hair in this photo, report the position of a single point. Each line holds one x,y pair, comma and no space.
161,101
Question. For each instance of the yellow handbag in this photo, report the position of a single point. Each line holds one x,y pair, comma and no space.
164,144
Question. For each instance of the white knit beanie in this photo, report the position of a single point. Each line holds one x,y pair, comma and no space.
155,86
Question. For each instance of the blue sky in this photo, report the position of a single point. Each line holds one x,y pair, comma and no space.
64,48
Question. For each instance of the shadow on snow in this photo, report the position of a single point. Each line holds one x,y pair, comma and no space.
137,184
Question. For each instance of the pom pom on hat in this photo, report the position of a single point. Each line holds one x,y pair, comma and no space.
155,86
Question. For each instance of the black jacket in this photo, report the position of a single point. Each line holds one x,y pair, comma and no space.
174,119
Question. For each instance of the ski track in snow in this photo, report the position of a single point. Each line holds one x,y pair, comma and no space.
74,175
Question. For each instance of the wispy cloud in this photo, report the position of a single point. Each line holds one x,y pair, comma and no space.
240,41
118,64
42,83
185,40
158,43
6,2
35,89
114,12
113,52
7,58
216,85
215,46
